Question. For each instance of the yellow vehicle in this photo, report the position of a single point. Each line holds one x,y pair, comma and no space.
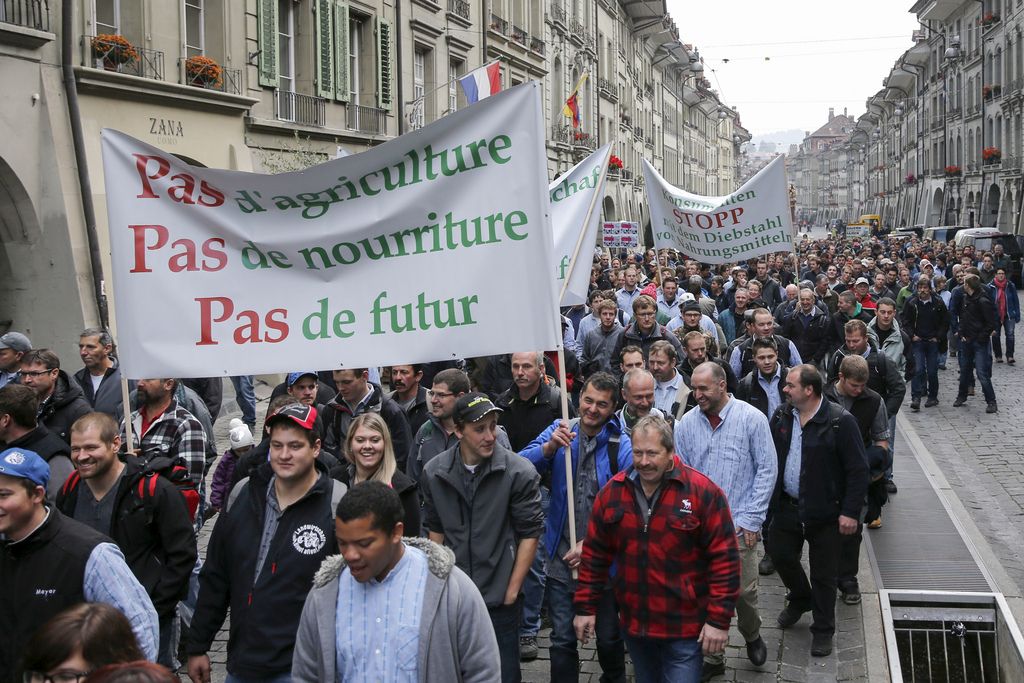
867,225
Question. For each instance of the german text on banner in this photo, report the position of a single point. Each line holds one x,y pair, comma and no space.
435,245
575,208
752,221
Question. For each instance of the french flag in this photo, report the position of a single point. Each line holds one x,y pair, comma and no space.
482,82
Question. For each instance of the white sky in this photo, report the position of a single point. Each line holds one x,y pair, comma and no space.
856,44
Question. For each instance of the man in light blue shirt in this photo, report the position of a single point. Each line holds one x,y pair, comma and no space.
390,608
729,441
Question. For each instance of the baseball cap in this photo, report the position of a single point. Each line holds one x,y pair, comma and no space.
294,377
239,436
473,407
302,415
25,464
686,296
691,305
924,262
862,281
16,341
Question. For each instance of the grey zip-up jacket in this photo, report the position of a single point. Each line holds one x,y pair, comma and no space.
483,527
456,639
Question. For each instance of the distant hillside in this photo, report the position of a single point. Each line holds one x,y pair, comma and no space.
784,138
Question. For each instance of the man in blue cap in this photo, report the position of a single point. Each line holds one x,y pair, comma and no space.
50,562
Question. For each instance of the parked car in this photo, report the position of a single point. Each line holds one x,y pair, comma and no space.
908,231
984,239
943,233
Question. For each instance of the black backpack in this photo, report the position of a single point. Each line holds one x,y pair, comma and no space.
171,469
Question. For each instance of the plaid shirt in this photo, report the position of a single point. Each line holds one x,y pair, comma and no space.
675,572
175,434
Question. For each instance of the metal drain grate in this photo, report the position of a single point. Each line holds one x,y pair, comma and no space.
919,545
952,644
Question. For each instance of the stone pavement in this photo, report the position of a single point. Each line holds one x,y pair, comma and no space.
788,651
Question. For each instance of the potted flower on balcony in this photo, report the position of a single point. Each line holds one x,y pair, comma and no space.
911,179
986,92
991,155
953,171
203,71
614,163
113,50
990,18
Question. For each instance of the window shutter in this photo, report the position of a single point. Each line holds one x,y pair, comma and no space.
325,48
383,63
268,65
341,47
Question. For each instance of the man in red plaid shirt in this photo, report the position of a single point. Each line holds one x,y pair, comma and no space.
669,531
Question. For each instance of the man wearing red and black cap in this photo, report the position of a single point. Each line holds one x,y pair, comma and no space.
288,505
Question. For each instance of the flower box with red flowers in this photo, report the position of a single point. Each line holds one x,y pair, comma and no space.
991,155
615,163
113,49
203,71
953,171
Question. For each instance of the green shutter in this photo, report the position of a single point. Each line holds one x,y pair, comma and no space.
383,63
267,18
341,29
325,48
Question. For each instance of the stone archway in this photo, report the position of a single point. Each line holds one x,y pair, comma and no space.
935,215
19,235
608,208
1005,222
990,211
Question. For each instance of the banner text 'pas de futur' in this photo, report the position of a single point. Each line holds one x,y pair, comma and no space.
428,247
752,221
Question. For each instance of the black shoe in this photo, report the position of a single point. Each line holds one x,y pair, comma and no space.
851,595
528,648
711,670
931,403
960,400
757,651
999,359
766,567
789,616
915,404
821,645
890,486
992,408
1009,361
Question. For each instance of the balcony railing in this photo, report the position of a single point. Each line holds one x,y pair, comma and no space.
230,81
537,45
295,107
953,112
499,25
582,140
606,88
558,14
1012,164
33,14
367,119
937,123
139,61
1015,85
627,175
576,29
562,134
459,8
520,35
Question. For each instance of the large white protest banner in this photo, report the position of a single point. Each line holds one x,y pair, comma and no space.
750,222
575,216
435,245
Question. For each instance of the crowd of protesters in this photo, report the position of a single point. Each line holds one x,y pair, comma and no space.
420,533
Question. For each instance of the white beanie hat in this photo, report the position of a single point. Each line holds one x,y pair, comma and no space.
239,436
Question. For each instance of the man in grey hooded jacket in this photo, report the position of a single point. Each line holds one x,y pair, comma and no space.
398,608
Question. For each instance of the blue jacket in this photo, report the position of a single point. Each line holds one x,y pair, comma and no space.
1012,302
558,511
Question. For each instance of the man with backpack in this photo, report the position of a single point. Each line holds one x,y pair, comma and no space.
162,428
141,510
265,548
596,444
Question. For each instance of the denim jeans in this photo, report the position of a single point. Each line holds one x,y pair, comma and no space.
533,585
892,445
246,399
565,662
976,356
170,632
665,661
506,620
926,369
1006,327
